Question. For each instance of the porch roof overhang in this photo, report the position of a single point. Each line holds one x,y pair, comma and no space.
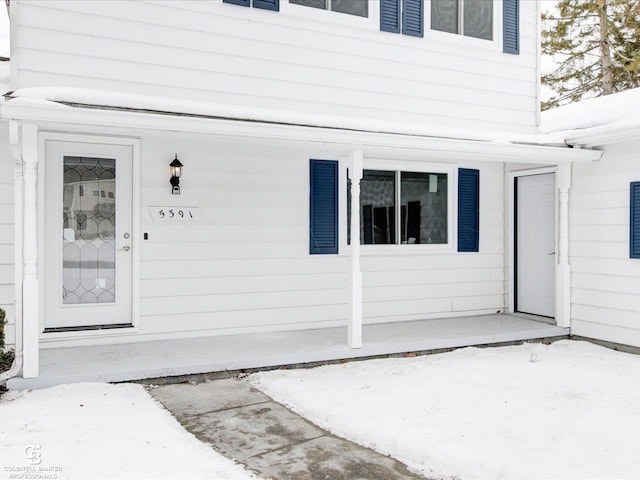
58,108
604,135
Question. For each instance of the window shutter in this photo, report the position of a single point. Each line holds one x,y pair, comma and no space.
323,207
242,3
634,224
413,18
468,210
390,16
510,33
267,4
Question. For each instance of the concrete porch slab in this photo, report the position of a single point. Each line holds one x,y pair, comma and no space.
166,358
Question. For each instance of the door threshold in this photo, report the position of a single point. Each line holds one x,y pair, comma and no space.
88,327
536,318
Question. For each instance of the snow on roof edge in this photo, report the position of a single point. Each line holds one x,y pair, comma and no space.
620,109
82,97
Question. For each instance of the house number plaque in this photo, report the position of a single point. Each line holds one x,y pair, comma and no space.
175,214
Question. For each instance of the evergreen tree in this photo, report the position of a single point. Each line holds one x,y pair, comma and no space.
596,44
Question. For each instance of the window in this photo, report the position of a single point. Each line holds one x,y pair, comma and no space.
472,18
359,8
403,207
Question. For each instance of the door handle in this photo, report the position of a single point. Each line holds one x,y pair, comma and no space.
552,253
126,248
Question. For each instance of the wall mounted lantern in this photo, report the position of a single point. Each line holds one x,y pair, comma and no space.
176,171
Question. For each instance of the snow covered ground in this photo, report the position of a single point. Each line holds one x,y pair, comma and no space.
97,430
566,410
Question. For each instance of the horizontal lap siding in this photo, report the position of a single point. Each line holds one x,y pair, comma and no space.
246,267
409,286
223,53
605,282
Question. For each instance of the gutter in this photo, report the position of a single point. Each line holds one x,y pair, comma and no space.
370,141
605,135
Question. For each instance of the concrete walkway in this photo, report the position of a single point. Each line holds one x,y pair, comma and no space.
244,424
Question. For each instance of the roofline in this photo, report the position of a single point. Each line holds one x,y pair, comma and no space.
42,111
604,135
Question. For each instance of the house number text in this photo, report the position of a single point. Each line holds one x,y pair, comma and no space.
175,214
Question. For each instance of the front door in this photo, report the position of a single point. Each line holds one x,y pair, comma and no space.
88,220
535,244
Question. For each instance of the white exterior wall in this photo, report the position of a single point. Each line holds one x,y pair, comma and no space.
246,266
7,298
299,59
409,286
605,293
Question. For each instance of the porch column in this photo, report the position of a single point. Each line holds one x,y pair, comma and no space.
354,335
31,299
563,269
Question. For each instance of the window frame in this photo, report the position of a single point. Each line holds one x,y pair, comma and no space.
403,248
494,44
339,18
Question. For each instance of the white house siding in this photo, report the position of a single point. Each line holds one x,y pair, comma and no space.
605,293
299,59
405,286
246,265
7,299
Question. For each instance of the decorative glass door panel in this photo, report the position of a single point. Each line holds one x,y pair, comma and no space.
87,235
89,230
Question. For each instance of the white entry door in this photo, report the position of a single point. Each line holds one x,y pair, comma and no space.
88,220
535,245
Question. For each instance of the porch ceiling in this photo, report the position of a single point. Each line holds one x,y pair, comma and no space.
136,361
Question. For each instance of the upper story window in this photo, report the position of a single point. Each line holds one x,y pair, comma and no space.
472,18
359,8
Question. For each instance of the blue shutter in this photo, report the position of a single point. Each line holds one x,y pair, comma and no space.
267,4
413,18
242,3
323,207
468,210
510,31
390,16
634,223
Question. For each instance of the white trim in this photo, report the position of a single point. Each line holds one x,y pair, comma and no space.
373,143
452,199
328,16
604,135
354,330
136,228
563,266
30,282
459,39
512,224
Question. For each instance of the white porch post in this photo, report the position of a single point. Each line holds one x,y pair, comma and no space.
354,329
563,269
31,300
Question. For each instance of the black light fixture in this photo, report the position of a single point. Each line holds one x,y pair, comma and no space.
176,171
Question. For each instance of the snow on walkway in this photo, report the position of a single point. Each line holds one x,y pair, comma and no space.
97,430
566,410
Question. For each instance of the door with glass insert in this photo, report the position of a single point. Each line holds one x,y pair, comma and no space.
88,235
